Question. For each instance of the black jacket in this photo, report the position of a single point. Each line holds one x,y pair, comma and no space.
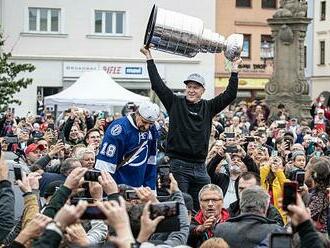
179,237
190,124
49,239
308,235
222,179
57,202
245,230
272,212
7,210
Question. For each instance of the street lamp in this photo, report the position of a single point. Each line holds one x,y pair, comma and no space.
266,51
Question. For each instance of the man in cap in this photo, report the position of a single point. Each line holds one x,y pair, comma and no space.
190,124
129,146
33,153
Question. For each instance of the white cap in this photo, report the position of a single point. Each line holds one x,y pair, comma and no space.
149,111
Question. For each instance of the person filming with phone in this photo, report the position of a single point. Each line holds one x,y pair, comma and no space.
211,213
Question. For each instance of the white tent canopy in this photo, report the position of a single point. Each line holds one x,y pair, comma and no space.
94,90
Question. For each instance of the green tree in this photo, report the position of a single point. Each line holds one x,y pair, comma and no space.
9,83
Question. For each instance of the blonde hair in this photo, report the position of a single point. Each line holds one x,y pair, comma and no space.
215,243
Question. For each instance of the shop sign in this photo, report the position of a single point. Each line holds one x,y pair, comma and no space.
115,70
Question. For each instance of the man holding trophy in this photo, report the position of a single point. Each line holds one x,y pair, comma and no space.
190,116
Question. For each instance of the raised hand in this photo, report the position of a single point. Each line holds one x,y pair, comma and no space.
69,214
108,183
146,52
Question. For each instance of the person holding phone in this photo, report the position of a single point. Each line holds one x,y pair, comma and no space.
298,164
272,180
190,119
210,214
319,201
251,227
301,220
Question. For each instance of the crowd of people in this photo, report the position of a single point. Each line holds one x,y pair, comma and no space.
213,173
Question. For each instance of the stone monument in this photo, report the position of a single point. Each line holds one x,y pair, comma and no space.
288,84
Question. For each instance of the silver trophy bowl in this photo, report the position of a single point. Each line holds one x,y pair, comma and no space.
184,35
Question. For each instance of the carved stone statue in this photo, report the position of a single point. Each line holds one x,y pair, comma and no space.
288,84
292,8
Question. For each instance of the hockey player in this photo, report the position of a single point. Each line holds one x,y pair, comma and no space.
129,147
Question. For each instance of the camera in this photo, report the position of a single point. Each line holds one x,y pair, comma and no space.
280,240
130,195
92,175
92,212
166,209
289,194
231,149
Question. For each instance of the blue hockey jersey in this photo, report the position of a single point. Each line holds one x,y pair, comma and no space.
123,139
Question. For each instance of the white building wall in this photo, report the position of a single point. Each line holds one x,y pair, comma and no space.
321,73
309,42
78,43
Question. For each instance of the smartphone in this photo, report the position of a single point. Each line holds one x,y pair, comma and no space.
11,139
92,212
231,149
130,195
317,154
274,153
281,125
18,173
288,142
100,115
164,176
230,135
166,209
289,194
92,175
75,200
280,240
300,178
250,138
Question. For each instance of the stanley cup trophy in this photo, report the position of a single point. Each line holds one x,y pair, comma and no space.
185,35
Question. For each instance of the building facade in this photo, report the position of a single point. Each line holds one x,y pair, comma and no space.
308,49
63,39
249,18
320,48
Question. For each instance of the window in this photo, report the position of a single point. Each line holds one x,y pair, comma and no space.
266,47
243,3
268,4
44,20
246,46
322,52
323,11
110,22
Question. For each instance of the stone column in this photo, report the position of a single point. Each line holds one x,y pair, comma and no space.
288,84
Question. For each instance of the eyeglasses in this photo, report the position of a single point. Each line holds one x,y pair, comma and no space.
213,200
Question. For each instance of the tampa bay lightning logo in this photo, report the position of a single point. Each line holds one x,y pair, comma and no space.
116,130
140,156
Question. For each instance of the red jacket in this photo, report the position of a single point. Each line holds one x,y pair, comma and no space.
224,216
